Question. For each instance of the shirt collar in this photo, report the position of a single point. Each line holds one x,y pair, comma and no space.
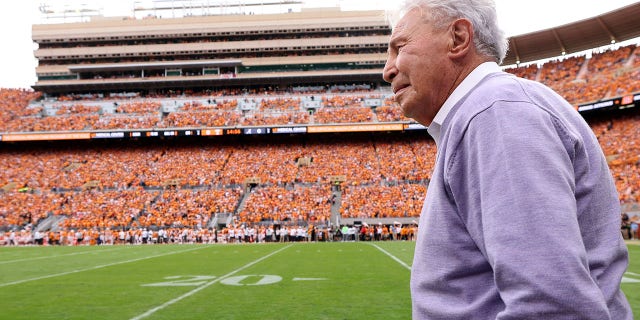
458,93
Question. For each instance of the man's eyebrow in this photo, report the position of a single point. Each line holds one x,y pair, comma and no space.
395,38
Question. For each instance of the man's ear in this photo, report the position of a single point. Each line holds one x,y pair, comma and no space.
461,38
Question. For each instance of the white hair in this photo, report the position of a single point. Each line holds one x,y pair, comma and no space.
489,39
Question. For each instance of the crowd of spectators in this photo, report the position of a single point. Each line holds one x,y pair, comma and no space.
383,168
608,73
112,122
618,136
103,209
241,233
143,107
389,111
281,118
78,109
578,78
280,104
14,105
398,201
180,187
528,72
146,185
627,82
171,210
344,115
298,204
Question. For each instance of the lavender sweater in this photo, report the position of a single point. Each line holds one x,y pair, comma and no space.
521,218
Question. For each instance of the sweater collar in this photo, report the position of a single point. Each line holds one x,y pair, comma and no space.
479,73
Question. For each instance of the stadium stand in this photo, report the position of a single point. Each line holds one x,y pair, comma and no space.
612,73
234,180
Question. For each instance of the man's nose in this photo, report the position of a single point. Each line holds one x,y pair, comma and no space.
390,71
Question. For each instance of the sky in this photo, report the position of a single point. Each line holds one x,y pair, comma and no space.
17,62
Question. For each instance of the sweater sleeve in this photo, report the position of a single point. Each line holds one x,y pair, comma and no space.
512,178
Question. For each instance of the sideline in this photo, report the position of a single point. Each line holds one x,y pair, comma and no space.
97,267
196,290
57,256
634,242
392,257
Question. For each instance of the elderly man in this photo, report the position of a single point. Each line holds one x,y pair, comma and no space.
522,218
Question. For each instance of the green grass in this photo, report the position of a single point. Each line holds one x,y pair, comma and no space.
632,290
266,281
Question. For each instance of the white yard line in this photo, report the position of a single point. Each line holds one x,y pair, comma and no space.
196,290
96,267
56,256
393,257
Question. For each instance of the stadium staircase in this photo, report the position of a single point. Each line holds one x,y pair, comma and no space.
243,202
631,59
336,203
220,219
583,72
213,222
52,223
225,219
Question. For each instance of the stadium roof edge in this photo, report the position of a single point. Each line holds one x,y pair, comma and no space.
611,27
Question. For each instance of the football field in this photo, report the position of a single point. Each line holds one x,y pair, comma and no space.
352,280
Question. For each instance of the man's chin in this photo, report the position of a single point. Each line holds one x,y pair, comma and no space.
406,111
412,115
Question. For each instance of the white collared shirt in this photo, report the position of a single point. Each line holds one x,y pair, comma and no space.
463,88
